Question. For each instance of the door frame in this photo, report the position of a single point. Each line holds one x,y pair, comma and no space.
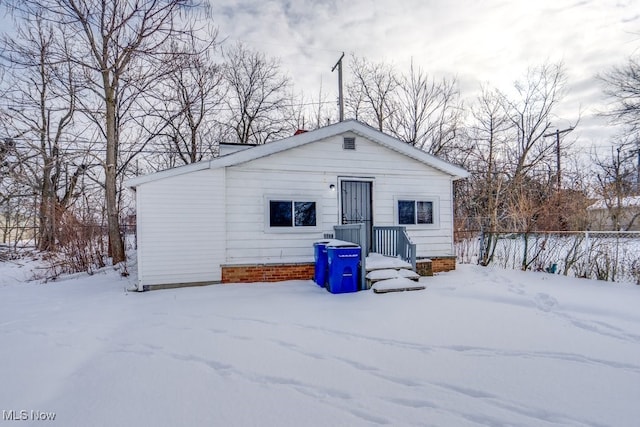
369,180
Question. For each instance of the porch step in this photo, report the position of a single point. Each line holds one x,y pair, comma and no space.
393,271
388,273
399,284
376,261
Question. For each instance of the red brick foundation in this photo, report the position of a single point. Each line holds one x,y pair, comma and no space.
439,265
249,273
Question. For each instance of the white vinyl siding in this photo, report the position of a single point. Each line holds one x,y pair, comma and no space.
181,231
309,171
192,223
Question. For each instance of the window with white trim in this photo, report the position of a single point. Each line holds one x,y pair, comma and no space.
292,213
416,212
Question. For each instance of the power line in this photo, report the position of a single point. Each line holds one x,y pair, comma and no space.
145,110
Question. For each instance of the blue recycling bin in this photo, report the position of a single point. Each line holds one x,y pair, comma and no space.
320,270
344,268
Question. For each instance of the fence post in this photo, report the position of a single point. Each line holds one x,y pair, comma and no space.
525,244
481,250
586,246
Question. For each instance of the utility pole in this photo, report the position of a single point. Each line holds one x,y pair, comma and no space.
638,173
561,222
557,134
637,150
340,97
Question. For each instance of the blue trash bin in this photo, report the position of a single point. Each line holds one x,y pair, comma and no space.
321,266
344,268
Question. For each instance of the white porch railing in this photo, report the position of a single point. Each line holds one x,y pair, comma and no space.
394,241
387,240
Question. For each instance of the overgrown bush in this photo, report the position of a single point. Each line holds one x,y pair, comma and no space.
81,247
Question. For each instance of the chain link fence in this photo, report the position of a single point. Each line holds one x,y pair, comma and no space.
603,255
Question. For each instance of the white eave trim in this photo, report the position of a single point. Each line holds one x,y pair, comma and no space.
392,143
268,149
143,179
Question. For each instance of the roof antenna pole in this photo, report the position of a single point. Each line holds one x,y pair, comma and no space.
340,97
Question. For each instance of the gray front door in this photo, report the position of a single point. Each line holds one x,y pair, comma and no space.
356,205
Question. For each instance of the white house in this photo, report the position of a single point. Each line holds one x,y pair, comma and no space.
614,214
253,214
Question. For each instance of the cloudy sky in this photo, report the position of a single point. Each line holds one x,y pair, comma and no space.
479,42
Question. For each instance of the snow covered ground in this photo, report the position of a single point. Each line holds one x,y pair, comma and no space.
478,346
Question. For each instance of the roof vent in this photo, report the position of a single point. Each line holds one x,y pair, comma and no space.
349,143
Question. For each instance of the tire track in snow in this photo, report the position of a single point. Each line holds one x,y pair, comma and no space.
332,397
527,411
482,351
538,415
600,328
449,403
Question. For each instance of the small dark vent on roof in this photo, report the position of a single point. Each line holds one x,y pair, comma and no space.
349,144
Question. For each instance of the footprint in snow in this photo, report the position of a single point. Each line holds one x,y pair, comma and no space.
545,302
516,289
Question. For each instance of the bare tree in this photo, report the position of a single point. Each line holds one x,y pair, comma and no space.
371,93
183,104
512,163
427,113
623,87
530,113
529,158
114,43
257,97
43,91
17,199
320,115
616,184
488,139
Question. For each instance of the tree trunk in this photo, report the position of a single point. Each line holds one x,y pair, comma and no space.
46,240
116,245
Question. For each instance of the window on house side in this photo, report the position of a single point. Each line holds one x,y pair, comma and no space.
415,212
406,212
424,212
280,213
290,213
305,213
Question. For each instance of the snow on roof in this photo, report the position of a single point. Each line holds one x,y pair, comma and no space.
264,150
626,202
